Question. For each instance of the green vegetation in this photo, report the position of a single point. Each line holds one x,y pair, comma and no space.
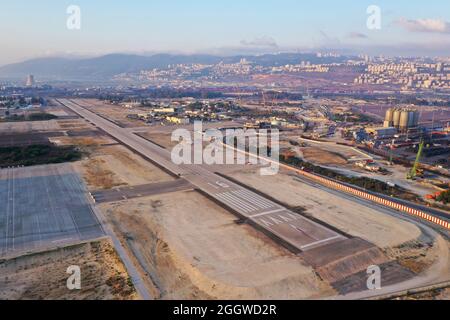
37,155
195,106
444,197
41,116
362,182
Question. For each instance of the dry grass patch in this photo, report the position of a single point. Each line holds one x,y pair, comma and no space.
98,176
323,157
42,276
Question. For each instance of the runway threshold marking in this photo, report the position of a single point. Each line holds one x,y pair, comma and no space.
254,199
238,202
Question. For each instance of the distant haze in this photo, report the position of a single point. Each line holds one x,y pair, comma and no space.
33,29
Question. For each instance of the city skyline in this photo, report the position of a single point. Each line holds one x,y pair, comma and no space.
222,28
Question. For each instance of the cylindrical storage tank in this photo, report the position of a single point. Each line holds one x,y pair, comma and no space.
411,119
404,120
389,115
396,118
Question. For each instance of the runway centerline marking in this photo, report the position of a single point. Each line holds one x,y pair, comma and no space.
319,242
266,213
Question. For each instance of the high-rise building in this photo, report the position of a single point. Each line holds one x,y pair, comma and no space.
30,80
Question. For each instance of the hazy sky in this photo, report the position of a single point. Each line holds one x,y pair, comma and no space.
38,28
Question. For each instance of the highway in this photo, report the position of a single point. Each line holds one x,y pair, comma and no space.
294,231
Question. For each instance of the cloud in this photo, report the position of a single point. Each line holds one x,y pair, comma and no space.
260,42
424,25
357,35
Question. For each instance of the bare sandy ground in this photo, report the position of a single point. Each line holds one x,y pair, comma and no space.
98,174
81,141
348,216
443,294
191,248
161,138
117,113
115,166
188,247
74,125
43,275
324,157
133,168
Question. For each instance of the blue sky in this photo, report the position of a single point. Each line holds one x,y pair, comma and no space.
38,28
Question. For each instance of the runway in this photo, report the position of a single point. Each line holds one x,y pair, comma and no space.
294,231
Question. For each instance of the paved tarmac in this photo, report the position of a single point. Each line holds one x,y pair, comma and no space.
125,193
43,206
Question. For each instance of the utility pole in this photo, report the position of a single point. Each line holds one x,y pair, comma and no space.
391,153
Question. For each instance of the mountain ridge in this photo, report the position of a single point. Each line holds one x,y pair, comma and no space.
107,66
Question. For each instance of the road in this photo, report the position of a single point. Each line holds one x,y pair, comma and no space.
292,230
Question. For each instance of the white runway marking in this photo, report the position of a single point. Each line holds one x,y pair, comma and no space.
266,213
260,202
319,242
235,202
243,203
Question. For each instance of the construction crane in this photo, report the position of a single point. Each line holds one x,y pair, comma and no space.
412,175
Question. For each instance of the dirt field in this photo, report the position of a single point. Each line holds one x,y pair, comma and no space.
323,157
74,125
414,255
114,112
348,216
443,294
114,166
30,126
97,174
43,275
190,248
161,138
81,141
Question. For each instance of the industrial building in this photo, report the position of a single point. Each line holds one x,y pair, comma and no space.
382,133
